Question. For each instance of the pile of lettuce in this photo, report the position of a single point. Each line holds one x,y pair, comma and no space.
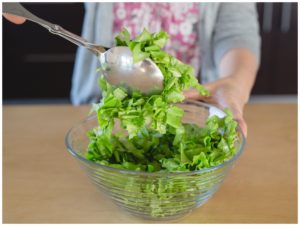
155,138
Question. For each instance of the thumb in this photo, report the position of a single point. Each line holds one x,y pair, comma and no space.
194,94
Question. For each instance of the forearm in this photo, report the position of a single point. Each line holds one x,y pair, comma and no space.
241,65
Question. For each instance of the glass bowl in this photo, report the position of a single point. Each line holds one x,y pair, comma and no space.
157,195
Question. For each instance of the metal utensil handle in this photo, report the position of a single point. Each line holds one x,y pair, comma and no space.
18,10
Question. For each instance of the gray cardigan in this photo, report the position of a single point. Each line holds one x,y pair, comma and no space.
223,26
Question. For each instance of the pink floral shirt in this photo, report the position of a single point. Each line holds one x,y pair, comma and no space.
179,20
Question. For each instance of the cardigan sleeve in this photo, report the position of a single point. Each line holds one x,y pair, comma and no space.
236,27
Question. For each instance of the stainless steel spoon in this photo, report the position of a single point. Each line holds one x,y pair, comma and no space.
116,63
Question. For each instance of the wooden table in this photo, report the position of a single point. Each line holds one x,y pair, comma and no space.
42,182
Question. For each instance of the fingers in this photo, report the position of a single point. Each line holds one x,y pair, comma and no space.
222,97
243,126
14,19
238,116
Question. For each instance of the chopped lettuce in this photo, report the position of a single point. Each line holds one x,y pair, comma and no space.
156,138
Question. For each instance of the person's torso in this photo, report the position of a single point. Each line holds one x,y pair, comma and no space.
179,20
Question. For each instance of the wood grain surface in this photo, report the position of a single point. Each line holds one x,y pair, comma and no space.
43,183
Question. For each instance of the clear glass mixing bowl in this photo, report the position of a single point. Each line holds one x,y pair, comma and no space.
158,195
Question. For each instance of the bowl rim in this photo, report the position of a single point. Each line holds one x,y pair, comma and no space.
158,173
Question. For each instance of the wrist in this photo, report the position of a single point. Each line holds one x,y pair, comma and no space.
241,87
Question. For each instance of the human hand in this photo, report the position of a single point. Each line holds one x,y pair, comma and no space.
14,19
225,92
